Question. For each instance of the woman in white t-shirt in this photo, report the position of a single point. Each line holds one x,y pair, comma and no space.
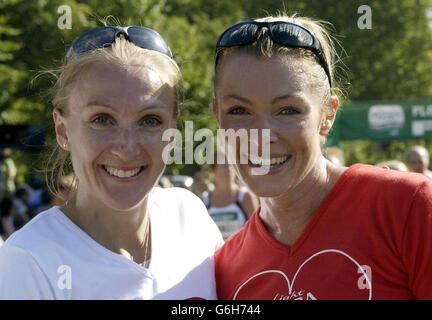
118,236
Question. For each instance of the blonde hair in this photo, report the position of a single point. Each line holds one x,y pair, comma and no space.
265,47
121,53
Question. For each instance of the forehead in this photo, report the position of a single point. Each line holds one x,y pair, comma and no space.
275,75
128,86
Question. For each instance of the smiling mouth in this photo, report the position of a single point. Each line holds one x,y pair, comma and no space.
119,173
272,162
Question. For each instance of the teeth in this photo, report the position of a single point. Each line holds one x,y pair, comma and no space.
277,160
121,173
256,160
272,161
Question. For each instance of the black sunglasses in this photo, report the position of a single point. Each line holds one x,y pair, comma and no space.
104,36
284,33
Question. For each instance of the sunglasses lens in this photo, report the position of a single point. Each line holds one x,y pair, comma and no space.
148,39
238,34
291,35
94,39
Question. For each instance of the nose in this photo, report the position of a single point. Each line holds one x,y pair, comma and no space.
127,145
262,137
267,130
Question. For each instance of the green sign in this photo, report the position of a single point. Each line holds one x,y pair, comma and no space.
382,121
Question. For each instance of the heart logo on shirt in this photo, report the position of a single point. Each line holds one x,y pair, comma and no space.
309,269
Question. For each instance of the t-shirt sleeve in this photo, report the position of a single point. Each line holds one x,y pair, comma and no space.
417,243
21,278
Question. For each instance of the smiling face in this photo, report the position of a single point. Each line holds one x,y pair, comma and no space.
274,94
113,127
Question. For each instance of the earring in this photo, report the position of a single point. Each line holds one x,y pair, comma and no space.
65,145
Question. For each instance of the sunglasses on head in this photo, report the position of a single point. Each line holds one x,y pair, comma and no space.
104,36
284,33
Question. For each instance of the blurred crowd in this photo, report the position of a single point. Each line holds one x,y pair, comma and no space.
19,203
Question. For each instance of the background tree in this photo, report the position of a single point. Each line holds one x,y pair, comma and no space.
391,61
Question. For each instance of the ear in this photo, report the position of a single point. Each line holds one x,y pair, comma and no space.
60,129
329,119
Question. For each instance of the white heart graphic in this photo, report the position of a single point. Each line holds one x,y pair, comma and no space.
290,285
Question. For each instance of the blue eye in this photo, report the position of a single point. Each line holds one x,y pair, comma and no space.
289,111
238,110
152,121
101,120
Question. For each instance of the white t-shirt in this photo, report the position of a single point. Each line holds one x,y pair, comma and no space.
52,258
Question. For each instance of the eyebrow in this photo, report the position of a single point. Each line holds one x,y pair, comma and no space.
234,96
245,100
102,104
284,97
99,104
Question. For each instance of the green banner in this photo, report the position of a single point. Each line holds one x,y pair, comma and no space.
382,121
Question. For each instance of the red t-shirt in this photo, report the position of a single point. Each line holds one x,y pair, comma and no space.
371,238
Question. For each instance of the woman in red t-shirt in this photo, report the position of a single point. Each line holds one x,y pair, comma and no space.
323,231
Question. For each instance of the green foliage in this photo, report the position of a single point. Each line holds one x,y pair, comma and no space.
391,61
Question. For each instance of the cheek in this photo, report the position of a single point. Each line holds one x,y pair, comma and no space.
155,147
93,140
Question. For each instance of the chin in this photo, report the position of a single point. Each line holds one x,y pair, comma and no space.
264,191
266,186
122,201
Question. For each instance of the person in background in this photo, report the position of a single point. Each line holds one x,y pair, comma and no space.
394,165
201,185
164,182
323,231
229,205
7,213
334,155
8,171
49,199
35,199
117,236
19,221
417,158
21,200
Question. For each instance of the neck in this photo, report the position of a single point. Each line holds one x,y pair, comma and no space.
286,215
225,188
123,232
